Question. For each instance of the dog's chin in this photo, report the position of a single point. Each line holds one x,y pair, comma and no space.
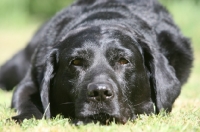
101,118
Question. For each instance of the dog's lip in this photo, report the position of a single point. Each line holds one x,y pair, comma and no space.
102,118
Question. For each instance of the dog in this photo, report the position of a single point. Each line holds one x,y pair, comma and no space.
100,61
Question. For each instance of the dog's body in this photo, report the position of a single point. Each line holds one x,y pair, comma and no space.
100,60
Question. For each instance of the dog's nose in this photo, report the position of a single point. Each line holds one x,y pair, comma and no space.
100,91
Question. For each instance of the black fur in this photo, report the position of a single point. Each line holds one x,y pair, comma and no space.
100,60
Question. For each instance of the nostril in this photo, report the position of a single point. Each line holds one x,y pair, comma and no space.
93,93
96,93
108,93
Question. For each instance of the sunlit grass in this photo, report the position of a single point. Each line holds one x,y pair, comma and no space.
185,119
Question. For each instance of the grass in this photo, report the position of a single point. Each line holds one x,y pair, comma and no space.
185,116
185,119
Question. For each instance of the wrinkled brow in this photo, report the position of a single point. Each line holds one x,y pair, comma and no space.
82,53
118,52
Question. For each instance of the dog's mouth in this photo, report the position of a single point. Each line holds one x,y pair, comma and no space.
101,118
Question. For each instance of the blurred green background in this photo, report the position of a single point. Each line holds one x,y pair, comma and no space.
19,19
22,12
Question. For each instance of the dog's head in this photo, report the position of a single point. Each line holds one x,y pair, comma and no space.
104,73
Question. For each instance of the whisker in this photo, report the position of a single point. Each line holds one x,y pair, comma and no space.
139,103
67,103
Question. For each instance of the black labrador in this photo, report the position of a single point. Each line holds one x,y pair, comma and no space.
100,60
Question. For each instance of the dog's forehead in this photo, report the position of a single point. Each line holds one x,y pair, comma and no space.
90,47
98,29
98,38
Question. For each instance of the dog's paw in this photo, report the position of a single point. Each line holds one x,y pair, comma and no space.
20,118
17,119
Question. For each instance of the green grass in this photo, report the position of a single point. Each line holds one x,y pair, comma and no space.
185,119
185,116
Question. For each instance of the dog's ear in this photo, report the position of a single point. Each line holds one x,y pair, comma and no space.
165,87
51,61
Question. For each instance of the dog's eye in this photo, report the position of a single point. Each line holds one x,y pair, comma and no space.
77,62
123,61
